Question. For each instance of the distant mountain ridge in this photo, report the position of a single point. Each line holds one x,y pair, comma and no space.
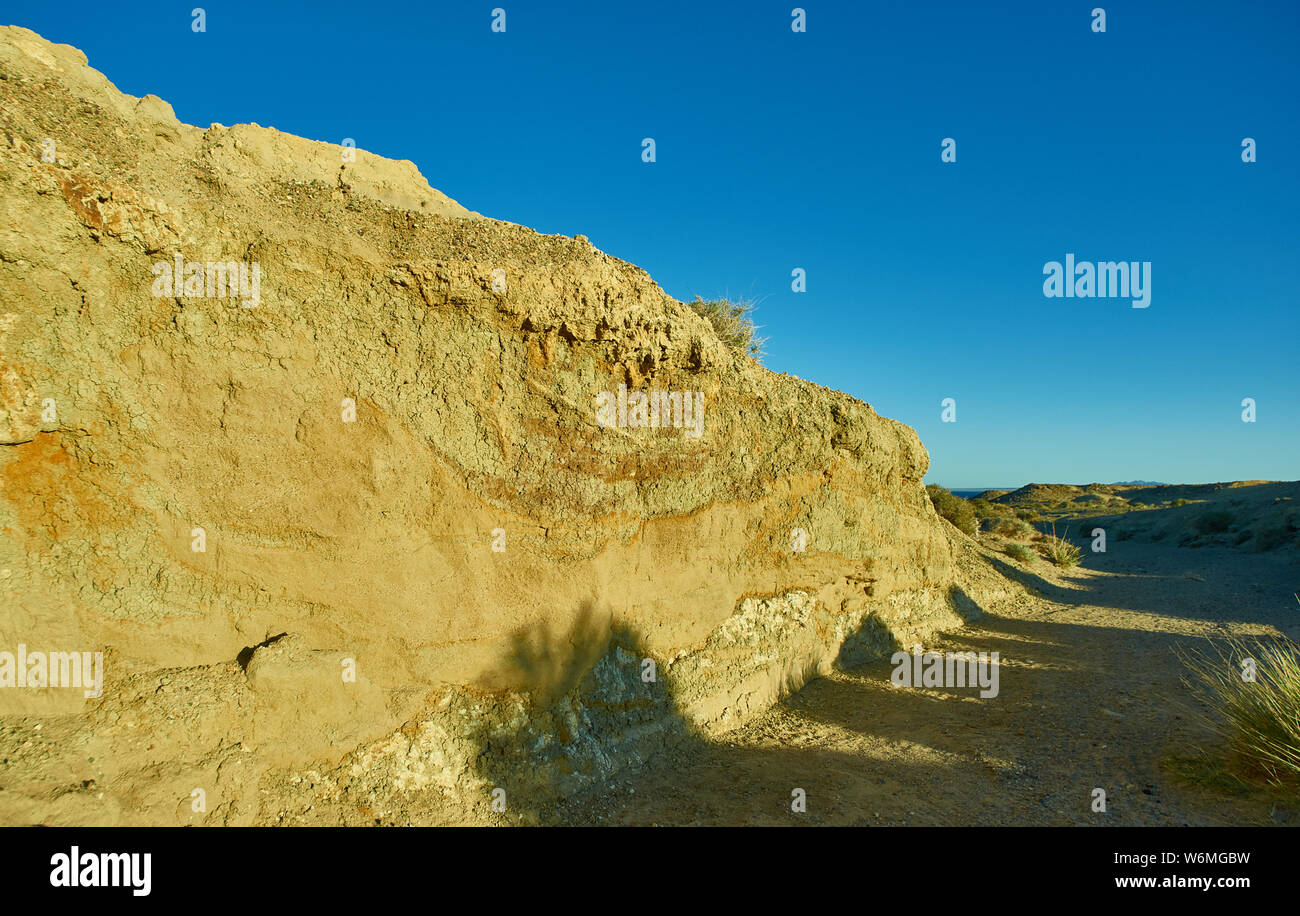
993,492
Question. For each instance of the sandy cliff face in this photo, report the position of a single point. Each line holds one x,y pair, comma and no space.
427,569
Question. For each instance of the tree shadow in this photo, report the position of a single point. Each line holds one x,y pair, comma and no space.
603,743
942,756
597,703
601,709
552,663
873,639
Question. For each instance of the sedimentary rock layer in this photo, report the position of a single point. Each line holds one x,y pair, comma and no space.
355,541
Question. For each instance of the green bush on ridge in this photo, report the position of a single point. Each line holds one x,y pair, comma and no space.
953,508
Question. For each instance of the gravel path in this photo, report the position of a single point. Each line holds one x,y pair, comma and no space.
1090,697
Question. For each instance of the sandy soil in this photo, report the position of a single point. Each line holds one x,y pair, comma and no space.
1090,697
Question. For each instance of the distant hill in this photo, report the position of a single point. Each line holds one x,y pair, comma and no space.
1065,499
1139,483
1250,515
1257,515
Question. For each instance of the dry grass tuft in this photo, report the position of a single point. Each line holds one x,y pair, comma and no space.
1259,717
733,323
1060,551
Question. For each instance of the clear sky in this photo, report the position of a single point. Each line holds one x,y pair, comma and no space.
821,150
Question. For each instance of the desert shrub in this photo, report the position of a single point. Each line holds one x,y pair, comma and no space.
1060,551
1181,502
1243,536
1214,522
1271,538
953,508
1013,528
985,509
1259,718
733,323
1020,552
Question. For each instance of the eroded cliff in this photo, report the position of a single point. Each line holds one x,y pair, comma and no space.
353,539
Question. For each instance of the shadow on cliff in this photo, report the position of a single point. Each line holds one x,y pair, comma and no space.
597,702
933,756
602,713
603,744
1070,704
599,708
552,663
874,640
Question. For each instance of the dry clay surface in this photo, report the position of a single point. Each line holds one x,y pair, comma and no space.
393,465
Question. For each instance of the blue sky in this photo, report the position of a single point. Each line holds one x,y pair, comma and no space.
821,150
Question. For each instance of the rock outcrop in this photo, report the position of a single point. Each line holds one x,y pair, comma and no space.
338,504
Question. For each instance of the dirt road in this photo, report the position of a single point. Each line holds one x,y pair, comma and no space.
1090,697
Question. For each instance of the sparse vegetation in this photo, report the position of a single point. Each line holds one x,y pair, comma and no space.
733,323
1020,552
1013,528
985,509
953,508
1259,716
1271,538
1214,522
1060,551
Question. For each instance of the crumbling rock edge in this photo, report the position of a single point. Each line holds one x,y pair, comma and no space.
348,646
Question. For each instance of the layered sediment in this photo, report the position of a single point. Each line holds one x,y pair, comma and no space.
355,544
